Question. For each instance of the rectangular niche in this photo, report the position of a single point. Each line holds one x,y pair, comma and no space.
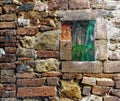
82,37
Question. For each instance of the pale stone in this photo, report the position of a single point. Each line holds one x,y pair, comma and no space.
2,52
70,89
23,22
89,81
40,6
46,65
92,98
61,99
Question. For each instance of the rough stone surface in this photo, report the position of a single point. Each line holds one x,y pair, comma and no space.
86,90
115,92
92,98
52,81
82,67
111,98
46,65
70,90
89,81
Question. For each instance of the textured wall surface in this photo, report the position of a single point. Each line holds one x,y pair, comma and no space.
35,53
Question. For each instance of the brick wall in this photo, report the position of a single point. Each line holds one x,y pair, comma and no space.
35,53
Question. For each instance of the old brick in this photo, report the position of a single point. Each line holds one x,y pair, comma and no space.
8,79
8,99
117,84
111,98
7,66
27,31
116,77
78,4
7,72
7,94
72,76
105,82
112,67
10,50
100,90
4,25
47,54
25,75
8,39
82,67
8,58
8,17
31,82
65,50
100,30
52,81
36,91
7,87
101,49
9,8
99,75
87,90
51,74
65,32
97,4
115,92
89,81
0,10
7,32
8,44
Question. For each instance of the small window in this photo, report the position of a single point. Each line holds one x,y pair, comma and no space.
82,36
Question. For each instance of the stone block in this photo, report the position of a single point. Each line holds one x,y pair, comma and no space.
100,90
81,67
7,87
116,77
7,94
101,49
92,98
65,50
35,82
8,99
111,98
8,32
10,50
78,4
36,91
117,84
0,10
25,75
115,92
52,81
4,25
99,75
105,82
7,66
8,17
86,90
9,9
111,5
51,74
89,81
112,67
8,79
8,39
7,72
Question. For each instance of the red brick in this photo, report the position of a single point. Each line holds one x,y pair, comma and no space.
99,90
117,84
99,75
7,44
8,17
115,92
7,87
31,82
27,31
10,50
9,8
7,66
8,58
4,25
51,74
52,81
25,75
47,54
111,98
36,91
78,4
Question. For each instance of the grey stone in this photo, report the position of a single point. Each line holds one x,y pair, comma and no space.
2,52
82,67
86,90
92,98
7,72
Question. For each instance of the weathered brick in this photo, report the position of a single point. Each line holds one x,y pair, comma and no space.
36,91
8,17
105,82
7,72
8,58
51,74
100,30
65,32
65,50
0,10
7,66
78,4
89,81
99,75
10,50
31,82
9,8
82,67
27,31
52,81
100,90
8,39
101,49
7,94
4,25
111,98
47,54
25,75
87,90
7,32
72,76
115,92
7,87
8,99
112,67
8,79
8,44
117,84
116,77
